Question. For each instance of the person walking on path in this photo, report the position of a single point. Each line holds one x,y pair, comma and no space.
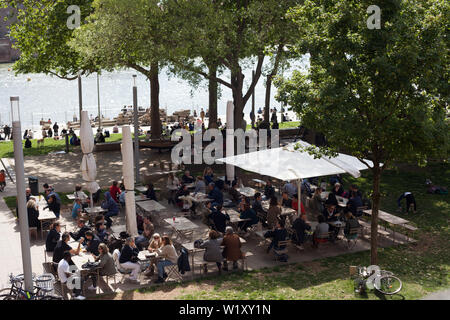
55,129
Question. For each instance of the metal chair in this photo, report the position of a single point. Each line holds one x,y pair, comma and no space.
352,237
172,271
123,272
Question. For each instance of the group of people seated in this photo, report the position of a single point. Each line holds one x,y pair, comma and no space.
53,202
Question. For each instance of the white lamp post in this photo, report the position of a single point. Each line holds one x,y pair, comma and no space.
136,130
21,199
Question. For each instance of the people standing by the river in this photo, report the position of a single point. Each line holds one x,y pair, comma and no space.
50,132
27,143
7,131
55,129
202,115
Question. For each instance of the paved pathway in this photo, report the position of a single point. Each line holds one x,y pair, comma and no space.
10,249
440,295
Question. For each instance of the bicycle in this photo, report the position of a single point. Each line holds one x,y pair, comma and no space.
373,277
41,290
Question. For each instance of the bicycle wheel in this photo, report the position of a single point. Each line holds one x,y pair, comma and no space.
389,285
7,297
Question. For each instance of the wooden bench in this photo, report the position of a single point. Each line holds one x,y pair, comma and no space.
107,146
367,225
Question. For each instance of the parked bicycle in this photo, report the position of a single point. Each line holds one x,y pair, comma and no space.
42,288
372,277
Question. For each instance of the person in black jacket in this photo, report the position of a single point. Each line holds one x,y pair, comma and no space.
82,232
53,237
187,178
277,235
257,205
219,218
269,190
128,258
53,205
33,214
183,261
27,143
150,193
286,201
62,246
92,243
300,226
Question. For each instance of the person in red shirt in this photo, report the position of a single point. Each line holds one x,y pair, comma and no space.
2,180
295,205
114,190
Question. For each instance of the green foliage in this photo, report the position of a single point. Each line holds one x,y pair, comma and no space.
41,34
123,34
50,145
382,93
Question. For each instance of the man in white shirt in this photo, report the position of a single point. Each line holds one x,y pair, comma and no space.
81,195
64,275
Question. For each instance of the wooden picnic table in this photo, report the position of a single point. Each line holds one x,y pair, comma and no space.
150,206
198,198
285,211
181,225
95,210
117,229
390,219
70,196
234,216
80,259
146,255
247,191
141,189
45,216
342,202
259,182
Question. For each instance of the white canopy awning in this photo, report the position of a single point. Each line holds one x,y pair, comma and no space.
88,165
289,164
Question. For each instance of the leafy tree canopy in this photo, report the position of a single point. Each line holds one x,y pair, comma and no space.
41,34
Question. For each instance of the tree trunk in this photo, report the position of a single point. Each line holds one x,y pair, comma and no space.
212,88
375,207
267,102
270,77
237,82
154,106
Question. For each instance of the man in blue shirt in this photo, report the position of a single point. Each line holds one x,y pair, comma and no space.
215,194
111,206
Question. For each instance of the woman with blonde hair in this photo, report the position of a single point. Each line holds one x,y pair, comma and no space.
154,246
208,175
33,214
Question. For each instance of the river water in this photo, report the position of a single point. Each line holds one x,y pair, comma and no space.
48,97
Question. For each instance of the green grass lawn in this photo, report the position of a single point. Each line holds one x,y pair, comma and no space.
423,267
283,125
51,145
